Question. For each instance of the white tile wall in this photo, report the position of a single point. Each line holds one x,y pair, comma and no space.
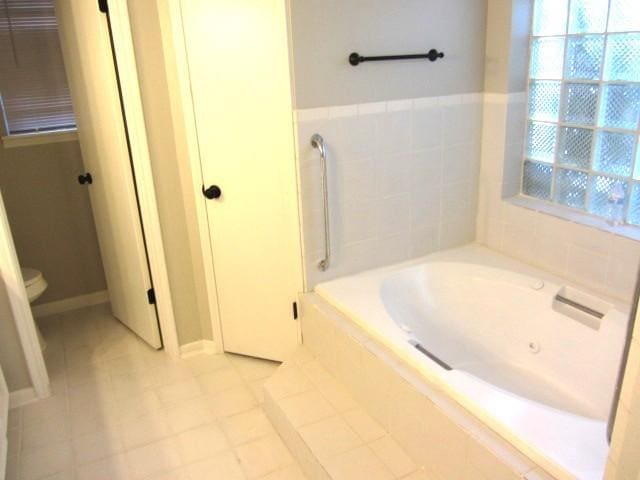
403,179
545,236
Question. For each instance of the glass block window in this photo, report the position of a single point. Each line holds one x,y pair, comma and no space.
582,147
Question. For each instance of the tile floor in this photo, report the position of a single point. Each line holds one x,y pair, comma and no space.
121,410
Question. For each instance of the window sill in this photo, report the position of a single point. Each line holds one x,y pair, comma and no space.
29,139
628,231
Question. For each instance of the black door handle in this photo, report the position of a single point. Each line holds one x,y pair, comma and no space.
212,193
86,178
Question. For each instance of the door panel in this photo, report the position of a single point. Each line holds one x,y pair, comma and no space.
239,66
91,74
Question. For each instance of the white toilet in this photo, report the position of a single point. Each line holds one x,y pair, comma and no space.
35,284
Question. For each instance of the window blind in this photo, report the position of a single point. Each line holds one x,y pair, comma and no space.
33,84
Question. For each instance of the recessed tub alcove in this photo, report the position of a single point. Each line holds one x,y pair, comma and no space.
467,354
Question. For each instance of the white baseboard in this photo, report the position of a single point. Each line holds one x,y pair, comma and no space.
68,304
22,397
207,347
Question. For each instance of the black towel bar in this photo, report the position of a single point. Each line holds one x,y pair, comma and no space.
433,55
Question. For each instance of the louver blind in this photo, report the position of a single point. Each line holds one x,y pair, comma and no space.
33,84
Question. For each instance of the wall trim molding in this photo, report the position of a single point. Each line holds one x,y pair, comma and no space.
302,115
71,303
200,347
21,397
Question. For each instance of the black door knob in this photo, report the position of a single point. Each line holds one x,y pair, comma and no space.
213,192
86,178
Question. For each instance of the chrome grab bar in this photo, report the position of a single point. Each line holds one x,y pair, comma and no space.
317,142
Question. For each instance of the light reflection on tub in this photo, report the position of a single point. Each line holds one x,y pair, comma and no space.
541,371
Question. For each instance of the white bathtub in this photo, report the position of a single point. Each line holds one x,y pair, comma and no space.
490,331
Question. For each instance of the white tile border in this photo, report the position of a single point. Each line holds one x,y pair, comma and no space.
627,231
72,303
398,105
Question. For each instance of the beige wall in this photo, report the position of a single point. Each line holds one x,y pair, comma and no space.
172,179
51,219
325,32
12,358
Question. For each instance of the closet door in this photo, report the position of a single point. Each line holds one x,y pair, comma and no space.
239,66
86,48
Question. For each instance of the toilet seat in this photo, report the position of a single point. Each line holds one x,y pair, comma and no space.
30,276
34,282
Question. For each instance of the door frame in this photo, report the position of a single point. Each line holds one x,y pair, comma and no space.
134,119
22,315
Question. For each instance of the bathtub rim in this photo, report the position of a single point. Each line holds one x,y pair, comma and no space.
424,371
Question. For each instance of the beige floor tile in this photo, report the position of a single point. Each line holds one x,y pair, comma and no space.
231,402
302,355
257,388
52,430
288,381
136,406
94,446
358,464
179,474
179,391
15,418
42,410
14,440
365,426
253,368
263,456
200,443
418,475
128,385
293,472
147,429
171,372
189,414
153,459
392,455
89,418
201,364
337,395
110,468
127,364
12,471
92,394
316,372
329,437
224,466
305,408
247,426
125,411
220,380
46,461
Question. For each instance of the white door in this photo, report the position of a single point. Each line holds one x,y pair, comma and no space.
239,66
92,78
